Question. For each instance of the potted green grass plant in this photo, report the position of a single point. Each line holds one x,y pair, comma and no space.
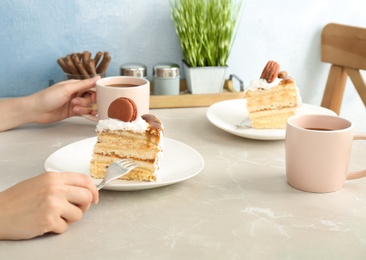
206,30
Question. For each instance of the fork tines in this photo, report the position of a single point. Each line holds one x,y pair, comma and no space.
128,163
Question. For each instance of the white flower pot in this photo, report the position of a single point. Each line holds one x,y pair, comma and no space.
204,80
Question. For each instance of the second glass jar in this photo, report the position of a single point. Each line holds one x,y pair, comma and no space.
166,79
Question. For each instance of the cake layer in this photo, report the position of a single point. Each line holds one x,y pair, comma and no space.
271,119
139,140
282,95
143,148
108,158
144,172
270,104
126,143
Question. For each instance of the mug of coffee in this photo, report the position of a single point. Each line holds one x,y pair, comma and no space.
110,88
318,150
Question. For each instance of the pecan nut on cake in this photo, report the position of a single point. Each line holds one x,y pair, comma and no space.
272,98
124,135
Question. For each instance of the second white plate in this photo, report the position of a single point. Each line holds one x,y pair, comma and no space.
180,163
229,113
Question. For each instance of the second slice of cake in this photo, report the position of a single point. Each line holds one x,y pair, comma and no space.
272,99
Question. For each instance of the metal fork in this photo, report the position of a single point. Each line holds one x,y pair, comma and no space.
117,169
245,124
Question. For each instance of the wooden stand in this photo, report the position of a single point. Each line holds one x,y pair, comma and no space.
185,99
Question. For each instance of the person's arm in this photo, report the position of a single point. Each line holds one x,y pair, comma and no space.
52,104
43,204
14,112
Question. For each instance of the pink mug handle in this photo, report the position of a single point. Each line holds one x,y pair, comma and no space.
359,174
91,117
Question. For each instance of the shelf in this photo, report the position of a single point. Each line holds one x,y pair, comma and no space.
186,99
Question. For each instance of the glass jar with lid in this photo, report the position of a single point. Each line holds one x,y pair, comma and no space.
134,69
166,79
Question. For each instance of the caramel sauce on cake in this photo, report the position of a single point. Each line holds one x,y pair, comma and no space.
155,125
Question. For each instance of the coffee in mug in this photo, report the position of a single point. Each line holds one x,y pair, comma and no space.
122,85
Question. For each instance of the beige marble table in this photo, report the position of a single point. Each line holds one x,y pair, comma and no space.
238,207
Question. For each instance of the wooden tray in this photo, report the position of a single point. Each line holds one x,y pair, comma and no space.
185,99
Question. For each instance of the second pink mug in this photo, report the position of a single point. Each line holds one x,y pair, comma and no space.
318,150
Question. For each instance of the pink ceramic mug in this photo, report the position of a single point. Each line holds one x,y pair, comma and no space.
318,150
110,88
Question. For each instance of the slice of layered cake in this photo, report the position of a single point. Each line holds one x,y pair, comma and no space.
128,136
272,99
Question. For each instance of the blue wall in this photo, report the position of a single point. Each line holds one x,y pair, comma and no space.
34,33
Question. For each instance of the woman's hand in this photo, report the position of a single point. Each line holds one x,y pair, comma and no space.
65,99
62,100
45,203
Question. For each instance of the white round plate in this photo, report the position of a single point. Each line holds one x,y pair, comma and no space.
229,113
180,163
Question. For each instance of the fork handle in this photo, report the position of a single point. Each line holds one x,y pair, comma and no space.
101,184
